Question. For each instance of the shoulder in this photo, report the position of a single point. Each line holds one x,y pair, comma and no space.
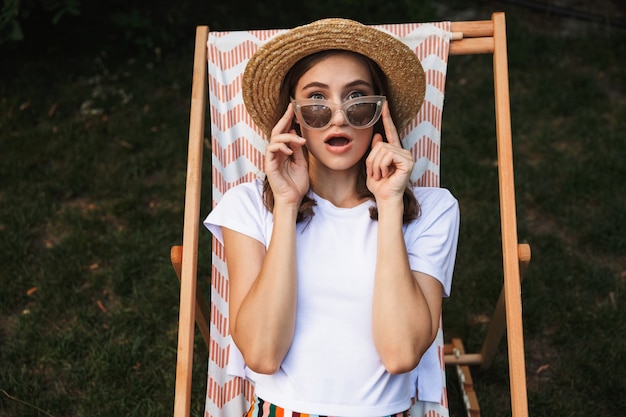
432,238
249,191
435,198
241,209
439,209
242,201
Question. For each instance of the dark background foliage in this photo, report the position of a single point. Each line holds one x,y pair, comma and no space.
94,112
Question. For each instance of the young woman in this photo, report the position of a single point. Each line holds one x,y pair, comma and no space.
337,267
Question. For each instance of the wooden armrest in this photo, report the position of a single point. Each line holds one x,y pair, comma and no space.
203,314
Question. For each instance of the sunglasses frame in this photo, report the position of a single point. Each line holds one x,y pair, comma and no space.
334,108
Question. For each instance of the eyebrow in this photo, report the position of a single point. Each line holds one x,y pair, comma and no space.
355,83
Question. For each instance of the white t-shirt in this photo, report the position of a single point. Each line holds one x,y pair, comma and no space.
332,367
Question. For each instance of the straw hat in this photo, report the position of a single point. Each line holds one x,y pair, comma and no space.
269,65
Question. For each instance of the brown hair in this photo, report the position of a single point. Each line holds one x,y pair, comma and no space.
288,85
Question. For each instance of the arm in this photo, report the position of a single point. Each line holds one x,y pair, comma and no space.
263,284
263,294
407,304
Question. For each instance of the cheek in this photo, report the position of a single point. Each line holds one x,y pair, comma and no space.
364,146
311,136
365,137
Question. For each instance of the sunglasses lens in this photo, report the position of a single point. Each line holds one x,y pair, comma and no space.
361,114
316,115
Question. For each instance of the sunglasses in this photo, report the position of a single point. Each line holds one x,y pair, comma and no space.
360,112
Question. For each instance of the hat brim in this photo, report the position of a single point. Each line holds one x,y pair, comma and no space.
267,68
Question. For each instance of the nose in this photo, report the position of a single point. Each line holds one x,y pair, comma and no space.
339,118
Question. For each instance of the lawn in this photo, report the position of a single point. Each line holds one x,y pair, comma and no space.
92,174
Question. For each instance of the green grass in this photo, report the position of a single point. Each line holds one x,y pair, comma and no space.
92,171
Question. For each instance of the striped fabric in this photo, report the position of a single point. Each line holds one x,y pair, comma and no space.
261,408
238,147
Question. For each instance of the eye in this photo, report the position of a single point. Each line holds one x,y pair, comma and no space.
355,94
317,96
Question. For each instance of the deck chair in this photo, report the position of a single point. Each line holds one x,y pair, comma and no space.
237,154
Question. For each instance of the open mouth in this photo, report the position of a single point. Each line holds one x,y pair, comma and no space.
337,141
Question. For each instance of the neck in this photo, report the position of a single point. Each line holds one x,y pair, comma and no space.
338,187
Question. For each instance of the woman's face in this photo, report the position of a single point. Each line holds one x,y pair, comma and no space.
336,78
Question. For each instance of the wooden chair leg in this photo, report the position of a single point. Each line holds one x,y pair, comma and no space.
497,326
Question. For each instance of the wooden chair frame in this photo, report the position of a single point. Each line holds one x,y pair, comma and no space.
470,37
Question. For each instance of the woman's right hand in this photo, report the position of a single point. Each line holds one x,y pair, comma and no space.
285,165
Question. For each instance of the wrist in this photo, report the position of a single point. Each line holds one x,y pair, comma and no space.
390,203
285,209
390,208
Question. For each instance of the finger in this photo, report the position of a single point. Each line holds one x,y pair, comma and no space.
379,157
298,148
276,148
375,162
382,162
289,139
284,124
386,159
390,129
283,148
388,164
378,138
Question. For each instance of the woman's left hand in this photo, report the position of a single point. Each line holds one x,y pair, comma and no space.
389,166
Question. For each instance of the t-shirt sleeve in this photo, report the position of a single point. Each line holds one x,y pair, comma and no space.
241,209
432,239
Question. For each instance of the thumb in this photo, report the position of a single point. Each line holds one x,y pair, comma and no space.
376,139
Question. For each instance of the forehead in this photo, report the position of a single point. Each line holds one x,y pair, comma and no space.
337,69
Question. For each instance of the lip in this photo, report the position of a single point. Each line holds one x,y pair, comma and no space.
338,148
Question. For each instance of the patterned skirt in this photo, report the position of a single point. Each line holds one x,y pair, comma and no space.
260,408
